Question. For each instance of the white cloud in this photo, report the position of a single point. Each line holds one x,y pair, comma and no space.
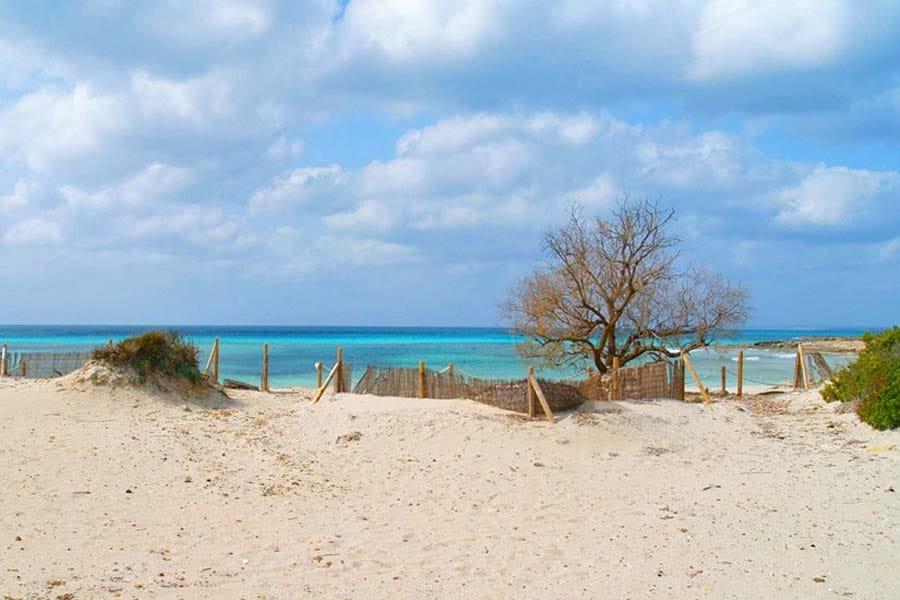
37,231
19,196
157,182
283,149
709,158
598,194
296,187
369,214
742,37
832,196
190,21
51,125
198,224
416,30
197,100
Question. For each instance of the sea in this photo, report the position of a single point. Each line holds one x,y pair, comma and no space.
476,351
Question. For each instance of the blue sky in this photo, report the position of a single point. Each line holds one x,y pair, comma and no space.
396,161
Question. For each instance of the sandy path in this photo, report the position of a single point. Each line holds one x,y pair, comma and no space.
114,494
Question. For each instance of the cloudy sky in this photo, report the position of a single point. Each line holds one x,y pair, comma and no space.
396,161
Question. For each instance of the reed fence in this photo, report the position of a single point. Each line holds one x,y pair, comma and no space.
37,365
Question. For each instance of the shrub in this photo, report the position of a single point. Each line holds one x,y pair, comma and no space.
154,353
873,381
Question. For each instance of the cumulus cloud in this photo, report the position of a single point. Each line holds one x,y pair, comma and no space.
154,183
740,37
297,186
834,196
33,232
49,125
497,170
411,30
386,133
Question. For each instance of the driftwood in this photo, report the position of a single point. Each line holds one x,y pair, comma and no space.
239,385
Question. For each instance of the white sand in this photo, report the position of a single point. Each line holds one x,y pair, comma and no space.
440,499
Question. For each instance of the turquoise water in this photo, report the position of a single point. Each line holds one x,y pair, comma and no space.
483,352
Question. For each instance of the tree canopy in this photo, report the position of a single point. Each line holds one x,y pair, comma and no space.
612,288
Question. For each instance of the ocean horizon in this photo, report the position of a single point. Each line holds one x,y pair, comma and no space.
488,352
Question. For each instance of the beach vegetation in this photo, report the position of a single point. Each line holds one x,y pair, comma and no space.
154,353
872,381
614,290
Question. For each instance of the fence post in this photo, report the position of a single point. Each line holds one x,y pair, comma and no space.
423,392
802,358
615,379
24,366
264,377
704,393
797,371
339,374
216,362
740,374
724,389
530,393
3,361
533,383
451,372
318,375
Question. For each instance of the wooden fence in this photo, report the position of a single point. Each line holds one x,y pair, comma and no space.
41,364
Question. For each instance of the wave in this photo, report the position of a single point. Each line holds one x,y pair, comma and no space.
746,358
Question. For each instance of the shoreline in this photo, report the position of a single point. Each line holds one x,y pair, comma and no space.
823,344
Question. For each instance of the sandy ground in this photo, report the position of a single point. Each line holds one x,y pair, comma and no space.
116,494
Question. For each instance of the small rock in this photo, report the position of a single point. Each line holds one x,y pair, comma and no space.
353,436
18,538
539,464
819,579
128,491
187,479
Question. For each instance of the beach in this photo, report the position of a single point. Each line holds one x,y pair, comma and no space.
111,492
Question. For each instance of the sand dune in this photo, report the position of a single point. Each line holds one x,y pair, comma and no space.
113,493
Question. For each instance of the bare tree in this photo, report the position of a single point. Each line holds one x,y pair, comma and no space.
612,289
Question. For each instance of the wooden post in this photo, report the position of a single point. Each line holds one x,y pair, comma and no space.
615,379
264,376
740,374
803,371
704,393
533,382
24,366
212,363
339,365
3,361
530,393
318,375
324,387
451,372
216,362
423,391
724,389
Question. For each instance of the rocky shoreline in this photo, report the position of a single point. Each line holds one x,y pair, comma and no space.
833,345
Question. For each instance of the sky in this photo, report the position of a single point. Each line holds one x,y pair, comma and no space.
396,162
